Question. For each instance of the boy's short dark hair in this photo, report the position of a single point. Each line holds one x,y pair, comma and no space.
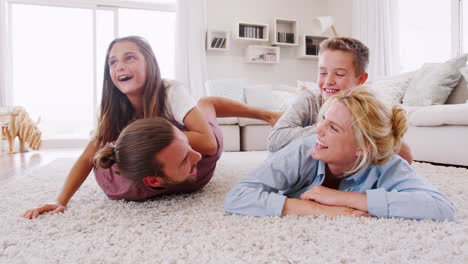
354,46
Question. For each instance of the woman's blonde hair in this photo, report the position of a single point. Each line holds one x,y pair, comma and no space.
377,129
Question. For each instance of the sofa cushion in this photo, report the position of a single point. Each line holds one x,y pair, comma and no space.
459,94
260,96
391,89
282,99
434,82
229,88
250,121
227,120
284,87
304,85
438,115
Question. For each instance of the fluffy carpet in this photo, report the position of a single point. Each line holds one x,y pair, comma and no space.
194,228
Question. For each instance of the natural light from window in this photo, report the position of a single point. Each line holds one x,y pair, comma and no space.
53,56
158,28
425,34
464,13
52,77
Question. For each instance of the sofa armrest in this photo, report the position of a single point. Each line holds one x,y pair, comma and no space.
438,115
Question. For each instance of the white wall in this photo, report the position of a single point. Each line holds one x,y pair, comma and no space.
341,11
223,14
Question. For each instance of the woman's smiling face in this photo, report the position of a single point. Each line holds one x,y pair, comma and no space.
336,144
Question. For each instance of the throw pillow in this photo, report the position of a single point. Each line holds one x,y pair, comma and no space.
433,83
391,89
229,88
260,96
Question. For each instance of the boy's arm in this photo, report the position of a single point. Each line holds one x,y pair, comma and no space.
295,122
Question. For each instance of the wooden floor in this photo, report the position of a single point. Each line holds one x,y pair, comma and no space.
14,165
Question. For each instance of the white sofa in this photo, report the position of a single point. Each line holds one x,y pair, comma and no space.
436,133
245,134
439,133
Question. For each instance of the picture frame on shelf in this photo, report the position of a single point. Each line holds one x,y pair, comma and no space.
262,54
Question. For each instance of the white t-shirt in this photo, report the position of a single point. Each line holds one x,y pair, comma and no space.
179,102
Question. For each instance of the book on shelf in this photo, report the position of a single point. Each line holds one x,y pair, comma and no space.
285,37
254,32
213,42
221,45
218,42
312,45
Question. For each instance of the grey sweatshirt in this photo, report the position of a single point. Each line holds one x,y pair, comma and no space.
297,121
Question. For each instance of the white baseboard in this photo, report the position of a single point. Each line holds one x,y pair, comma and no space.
65,143
56,143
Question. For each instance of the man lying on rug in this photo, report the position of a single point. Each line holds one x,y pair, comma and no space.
152,157
348,167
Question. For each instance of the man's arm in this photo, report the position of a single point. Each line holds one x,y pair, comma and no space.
297,121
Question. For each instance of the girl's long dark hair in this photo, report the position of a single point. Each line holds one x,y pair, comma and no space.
116,111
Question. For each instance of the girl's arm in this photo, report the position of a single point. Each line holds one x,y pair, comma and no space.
200,134
76,177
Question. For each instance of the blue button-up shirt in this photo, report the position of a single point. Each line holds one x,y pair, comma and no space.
394,189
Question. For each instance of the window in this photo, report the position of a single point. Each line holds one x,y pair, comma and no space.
53,57
464,18
425,32
159,29
52,77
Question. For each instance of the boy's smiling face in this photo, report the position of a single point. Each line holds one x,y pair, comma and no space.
337,72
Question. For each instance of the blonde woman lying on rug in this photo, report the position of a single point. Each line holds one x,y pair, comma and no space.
348,167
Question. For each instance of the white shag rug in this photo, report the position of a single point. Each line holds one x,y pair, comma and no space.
194,228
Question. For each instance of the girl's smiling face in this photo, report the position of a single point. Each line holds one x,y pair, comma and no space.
127,67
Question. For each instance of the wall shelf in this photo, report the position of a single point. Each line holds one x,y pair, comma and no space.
262,54
309,46
285,32
251,31
218,40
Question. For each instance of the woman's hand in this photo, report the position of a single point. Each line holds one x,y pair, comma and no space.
308,207
328,196
324,195
34,213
